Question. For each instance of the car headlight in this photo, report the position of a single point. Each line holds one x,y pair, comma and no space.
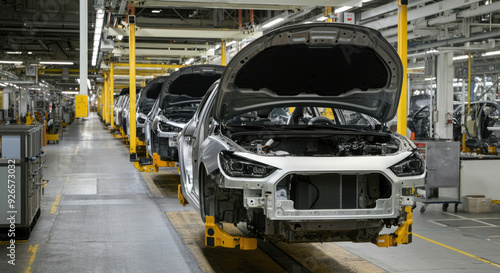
165,127
236,166
412,165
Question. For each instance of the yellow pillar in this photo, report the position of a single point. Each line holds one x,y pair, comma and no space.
112,91
109,100
105,101
131,47
328,13
403,51
223,53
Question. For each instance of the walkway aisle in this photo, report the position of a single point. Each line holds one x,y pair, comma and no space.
97,213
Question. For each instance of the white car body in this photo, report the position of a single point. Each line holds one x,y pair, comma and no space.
292,147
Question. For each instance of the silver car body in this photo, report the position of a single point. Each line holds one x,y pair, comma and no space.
179,98
296,176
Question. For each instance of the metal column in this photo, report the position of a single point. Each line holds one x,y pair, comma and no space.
83,47
403,51
444,97
133,142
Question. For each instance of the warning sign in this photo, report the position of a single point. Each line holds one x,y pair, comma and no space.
82,106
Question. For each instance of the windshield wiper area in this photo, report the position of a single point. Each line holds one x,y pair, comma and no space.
335,127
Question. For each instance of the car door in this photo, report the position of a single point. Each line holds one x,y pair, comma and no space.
193,135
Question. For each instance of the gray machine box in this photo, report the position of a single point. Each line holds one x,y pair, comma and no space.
442,159
21,171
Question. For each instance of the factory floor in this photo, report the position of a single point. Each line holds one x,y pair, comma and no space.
99,214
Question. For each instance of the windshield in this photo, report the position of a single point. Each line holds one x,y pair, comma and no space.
303,118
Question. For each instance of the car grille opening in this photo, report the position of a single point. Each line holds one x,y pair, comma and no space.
334,191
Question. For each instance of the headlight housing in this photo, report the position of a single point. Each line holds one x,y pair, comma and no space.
165,127
412,165
236,166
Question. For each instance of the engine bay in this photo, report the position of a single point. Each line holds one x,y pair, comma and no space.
306,143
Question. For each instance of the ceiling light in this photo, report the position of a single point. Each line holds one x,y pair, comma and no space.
322,18
56,62
342,9
490,53
89,86
11,62
156,11
432,51
14,52
430,79
1,84
273,22
119,37
462,57
70,92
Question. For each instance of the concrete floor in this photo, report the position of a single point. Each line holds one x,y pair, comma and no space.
107,220
111,218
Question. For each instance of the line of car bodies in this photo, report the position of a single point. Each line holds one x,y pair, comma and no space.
290,138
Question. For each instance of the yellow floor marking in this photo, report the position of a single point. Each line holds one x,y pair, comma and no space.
33,250
67,179
191,230
56,203
76,150
17,242
457,250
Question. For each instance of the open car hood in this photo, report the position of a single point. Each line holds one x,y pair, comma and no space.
326,64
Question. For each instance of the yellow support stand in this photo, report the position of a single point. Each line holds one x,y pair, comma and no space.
215,236
402,235
140,143
182,200
145,168
159,163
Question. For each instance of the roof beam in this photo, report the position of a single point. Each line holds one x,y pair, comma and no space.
187,33
164,52
245,4
420,12
164,45
388,8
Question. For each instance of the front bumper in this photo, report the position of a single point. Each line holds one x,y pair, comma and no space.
342,183
167,146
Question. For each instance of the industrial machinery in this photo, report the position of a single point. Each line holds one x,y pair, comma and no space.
443,173
21,169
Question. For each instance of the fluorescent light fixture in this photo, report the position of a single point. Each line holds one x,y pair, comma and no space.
462,57
29,52
1,84
11,62
342,9
70,92
14,52
491,53
273,22
156,11
430,79
322,18
89,86
432,51
56,62
97,35
119,37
